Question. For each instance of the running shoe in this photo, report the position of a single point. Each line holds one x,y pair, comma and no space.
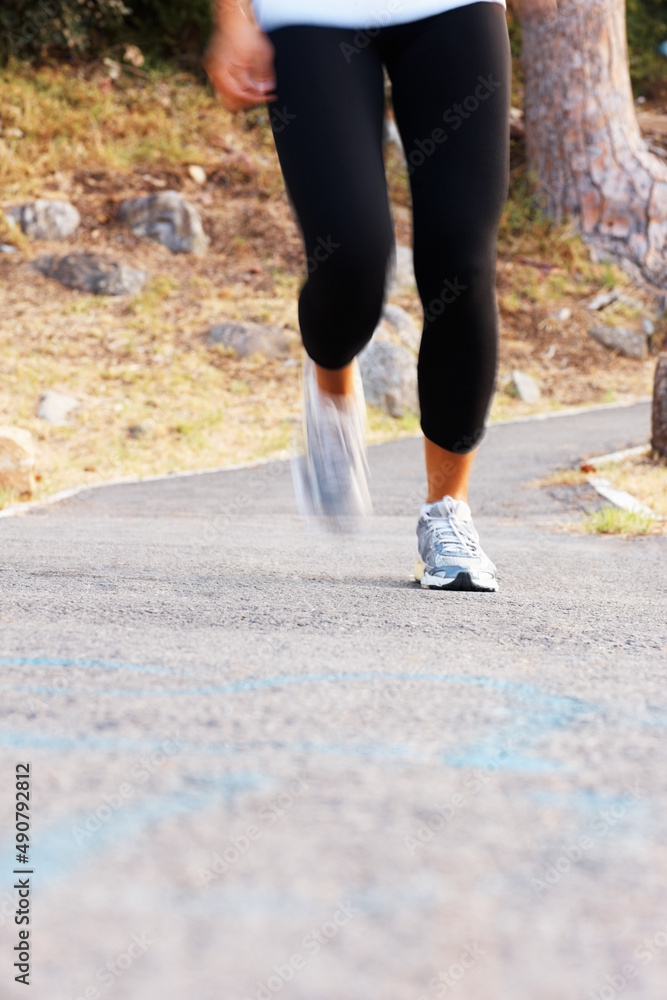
450,556
331,477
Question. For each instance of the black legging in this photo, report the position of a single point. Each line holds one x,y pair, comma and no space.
450,78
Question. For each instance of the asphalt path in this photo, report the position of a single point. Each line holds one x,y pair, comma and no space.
264,762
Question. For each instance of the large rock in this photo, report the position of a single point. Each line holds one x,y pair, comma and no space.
46,220
251,338
403,278
389,364
389,375
629,343
168,218
403,327
55,407
526,386
17,460
89,272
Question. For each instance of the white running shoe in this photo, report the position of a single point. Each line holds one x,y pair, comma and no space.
331,478
450,556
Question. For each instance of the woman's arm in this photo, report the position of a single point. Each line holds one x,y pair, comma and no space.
239,59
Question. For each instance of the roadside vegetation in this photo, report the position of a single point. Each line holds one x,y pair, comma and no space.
86,119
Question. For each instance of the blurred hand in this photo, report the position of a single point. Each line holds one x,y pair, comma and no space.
239,62
534,9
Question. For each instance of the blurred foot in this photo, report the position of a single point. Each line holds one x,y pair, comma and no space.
331,478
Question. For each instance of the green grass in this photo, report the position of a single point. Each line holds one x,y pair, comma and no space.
611,520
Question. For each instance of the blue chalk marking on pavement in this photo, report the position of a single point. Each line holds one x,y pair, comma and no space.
56,853
527,692
57,661
544,712
37,741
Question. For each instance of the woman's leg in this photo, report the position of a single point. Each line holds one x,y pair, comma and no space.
451,90
328,123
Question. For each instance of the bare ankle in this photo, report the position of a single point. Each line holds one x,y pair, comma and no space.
338,382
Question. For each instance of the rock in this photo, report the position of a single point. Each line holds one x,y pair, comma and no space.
403,326
55,407
389,364
89,272
607,298
517,125
198,174
46,220
168,218
563,314
392,135
134,56
526,387
404,275
629,343
17,460
252,338
602,300
389,376
113,68
140,430
648,327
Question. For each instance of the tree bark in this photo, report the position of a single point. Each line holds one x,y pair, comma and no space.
659,428
583,141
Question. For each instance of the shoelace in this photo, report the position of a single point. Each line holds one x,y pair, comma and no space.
441,530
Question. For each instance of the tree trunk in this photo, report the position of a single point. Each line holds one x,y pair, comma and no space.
582,136
659,429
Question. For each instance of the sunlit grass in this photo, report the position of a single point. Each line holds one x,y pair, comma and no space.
611,520
69,120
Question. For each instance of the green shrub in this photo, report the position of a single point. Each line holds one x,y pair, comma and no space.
167,28
33,27
162,28
647,28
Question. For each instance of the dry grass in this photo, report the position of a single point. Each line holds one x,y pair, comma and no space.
643,476
155,396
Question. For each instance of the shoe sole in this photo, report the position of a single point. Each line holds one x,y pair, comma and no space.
462,581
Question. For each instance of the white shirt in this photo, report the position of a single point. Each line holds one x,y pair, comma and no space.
272,14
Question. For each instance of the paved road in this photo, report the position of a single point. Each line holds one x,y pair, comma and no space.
265,763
